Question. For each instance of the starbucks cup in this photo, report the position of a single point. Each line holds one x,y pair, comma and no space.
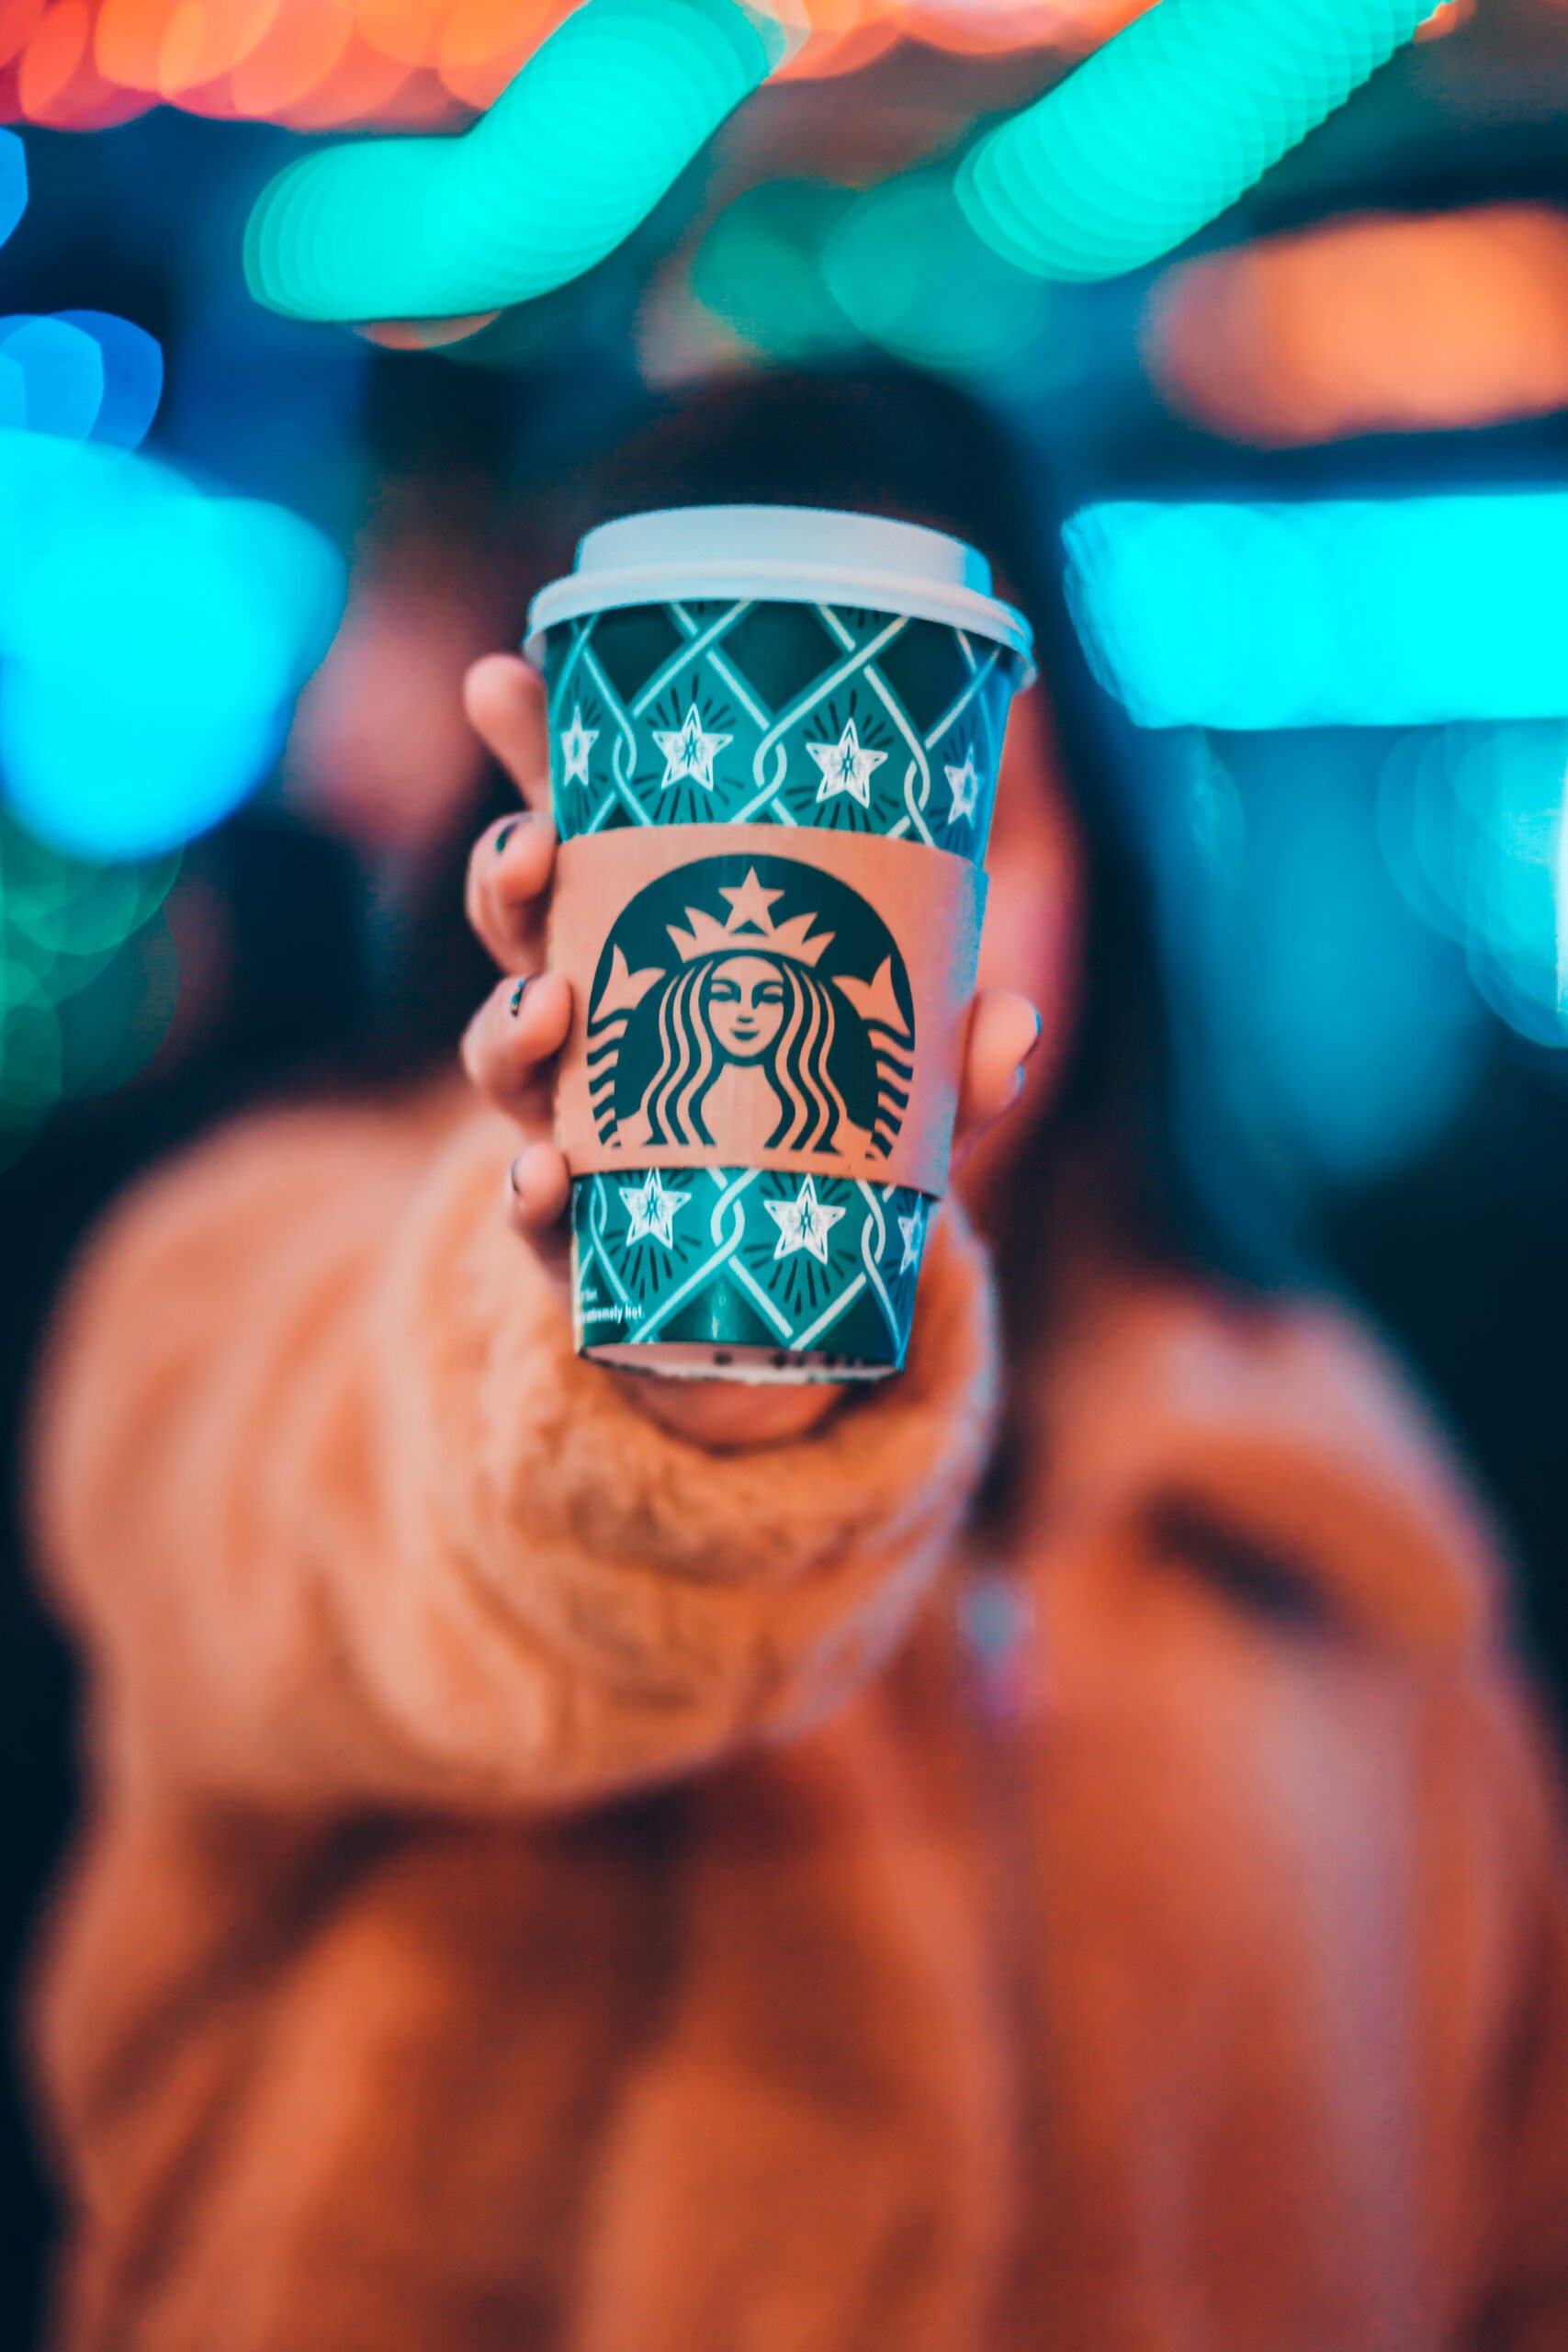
774,737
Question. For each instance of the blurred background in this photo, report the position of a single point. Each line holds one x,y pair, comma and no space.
1306,468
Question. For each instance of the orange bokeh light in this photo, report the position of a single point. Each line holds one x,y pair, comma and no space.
320,64
19,19
1386,322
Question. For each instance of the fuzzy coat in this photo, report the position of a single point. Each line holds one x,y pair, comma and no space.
550,1889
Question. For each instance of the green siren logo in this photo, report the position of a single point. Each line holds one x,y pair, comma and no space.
746,1002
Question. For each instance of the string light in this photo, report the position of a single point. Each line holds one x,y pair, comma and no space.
566,164
1399,612
1167,125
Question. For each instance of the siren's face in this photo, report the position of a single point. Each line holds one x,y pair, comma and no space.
746,1006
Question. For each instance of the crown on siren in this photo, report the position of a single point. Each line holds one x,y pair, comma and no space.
750,927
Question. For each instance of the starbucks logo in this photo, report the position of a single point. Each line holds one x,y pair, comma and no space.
746,1003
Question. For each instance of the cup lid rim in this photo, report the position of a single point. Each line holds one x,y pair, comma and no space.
783,555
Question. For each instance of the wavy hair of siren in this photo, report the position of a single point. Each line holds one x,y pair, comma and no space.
812,1106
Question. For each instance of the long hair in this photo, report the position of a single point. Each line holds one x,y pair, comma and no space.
811,1106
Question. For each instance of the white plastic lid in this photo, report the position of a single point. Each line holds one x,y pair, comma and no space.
792,555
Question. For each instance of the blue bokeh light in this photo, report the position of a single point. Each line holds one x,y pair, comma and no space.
79,375
1329,1024
132,365
13,182
61,370
152,640
1471,825
1396,612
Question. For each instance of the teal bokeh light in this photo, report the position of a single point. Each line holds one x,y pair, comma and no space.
758,269
1397,612
572,155
905,265
151,639
1167,124
87,977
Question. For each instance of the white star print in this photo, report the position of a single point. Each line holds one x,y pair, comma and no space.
966,785
804,1223
847,766
651,1207
576,742
912,1228
690,751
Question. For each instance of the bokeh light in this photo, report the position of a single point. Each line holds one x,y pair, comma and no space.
759,270
1340,1032
1396,612
1387,322
102,677
1471,822
321,64
13,182
567,163
800,270
151,639
133,368
1167,125
84,996
906,266
54,376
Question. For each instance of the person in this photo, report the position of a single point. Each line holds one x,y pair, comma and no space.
1054,1850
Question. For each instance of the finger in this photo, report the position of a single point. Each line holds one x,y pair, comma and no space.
1004,1030
504,896
505,703
539,1189
511,1042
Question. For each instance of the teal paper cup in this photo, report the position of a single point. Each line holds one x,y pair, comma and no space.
774,739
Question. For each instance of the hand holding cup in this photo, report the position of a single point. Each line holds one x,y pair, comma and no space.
510,1048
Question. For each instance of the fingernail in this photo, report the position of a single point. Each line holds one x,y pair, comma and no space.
1028,1052
515,1179
505,834
518,994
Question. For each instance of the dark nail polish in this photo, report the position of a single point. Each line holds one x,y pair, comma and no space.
505,835
518,994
